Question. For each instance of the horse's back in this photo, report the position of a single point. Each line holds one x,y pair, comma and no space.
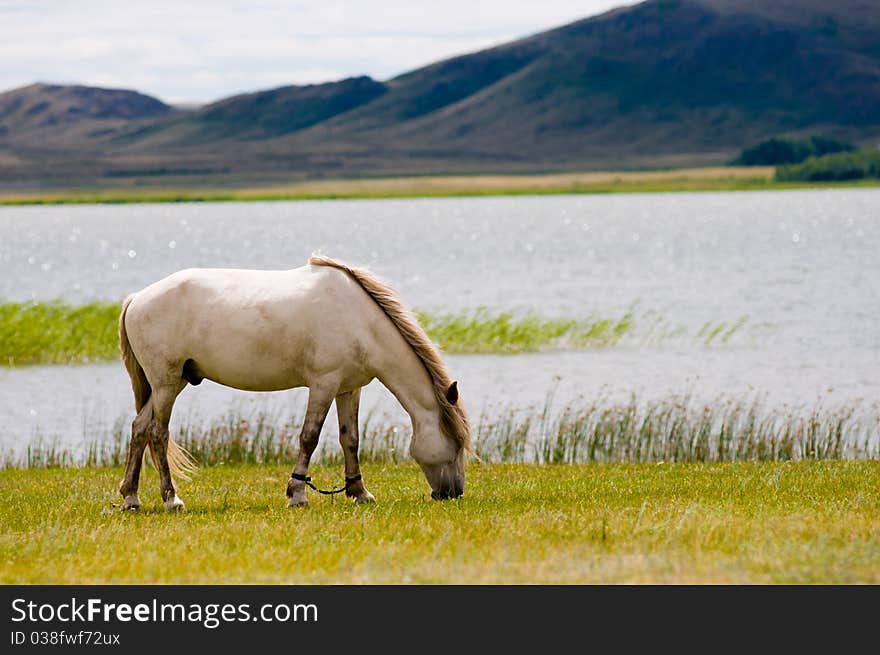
254,329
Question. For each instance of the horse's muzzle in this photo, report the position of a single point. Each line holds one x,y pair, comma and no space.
448,490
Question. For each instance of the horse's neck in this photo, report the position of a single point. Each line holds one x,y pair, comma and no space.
406,377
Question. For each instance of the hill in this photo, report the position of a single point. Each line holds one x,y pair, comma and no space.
665,82
261,115
39,109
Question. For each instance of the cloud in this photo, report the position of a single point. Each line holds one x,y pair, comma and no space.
202,51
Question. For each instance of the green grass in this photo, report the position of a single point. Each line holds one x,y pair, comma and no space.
484,331
59,333
650,181
809,522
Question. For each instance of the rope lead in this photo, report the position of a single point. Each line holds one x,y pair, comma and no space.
326,492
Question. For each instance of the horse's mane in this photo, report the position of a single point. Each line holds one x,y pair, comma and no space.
453,419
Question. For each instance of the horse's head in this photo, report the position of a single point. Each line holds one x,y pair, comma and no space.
440,447
446,478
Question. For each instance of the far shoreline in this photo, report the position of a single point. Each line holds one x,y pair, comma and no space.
722,178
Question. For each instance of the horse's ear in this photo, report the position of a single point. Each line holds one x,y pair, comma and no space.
452,392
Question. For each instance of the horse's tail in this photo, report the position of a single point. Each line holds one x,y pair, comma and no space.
180,462
139,383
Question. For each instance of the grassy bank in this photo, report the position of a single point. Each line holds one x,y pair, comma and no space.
58,333
691,179
812,522
483,331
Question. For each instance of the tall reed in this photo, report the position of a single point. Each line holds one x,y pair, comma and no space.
676,429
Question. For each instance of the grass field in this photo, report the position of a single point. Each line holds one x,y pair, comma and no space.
806,522
722,178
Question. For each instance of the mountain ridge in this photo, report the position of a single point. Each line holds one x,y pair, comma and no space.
658,83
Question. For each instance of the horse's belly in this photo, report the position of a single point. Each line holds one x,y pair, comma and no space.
249,381
257,366
251,372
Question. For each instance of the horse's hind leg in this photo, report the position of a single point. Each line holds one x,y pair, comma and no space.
319,404
347,408
140,429
163,401
151,426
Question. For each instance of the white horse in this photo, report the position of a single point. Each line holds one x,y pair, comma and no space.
325,326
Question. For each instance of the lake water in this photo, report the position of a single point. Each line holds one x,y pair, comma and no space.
803,266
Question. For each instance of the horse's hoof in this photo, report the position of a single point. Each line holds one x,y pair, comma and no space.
292,502
131,504
365,498
174,504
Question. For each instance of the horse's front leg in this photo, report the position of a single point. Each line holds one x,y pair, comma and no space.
347,408
319,405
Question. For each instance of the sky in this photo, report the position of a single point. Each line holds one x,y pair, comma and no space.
197,52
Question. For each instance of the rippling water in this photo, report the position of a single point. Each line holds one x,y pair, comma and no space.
805,263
